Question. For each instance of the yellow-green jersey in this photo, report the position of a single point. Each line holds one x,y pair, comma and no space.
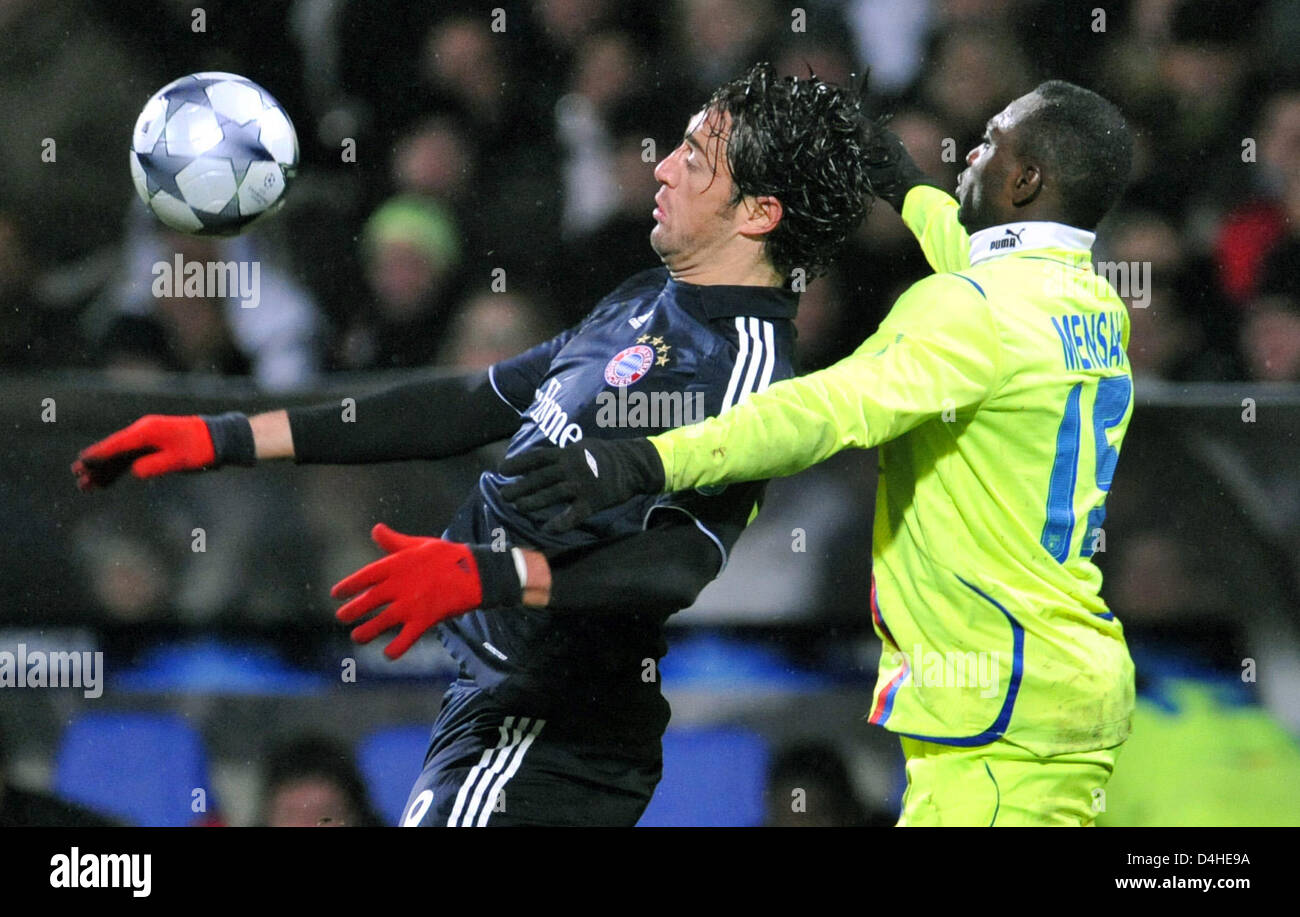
998,392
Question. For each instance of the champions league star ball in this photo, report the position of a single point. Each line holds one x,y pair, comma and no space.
213,152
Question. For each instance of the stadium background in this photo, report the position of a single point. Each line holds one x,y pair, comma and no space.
479,152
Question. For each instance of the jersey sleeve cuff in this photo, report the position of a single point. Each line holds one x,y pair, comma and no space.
920,203
663,445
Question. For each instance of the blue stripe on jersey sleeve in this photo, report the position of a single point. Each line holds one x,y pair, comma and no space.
972,283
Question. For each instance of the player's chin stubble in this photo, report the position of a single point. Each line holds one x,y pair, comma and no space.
662,247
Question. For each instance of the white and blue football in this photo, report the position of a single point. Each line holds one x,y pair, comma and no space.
213,152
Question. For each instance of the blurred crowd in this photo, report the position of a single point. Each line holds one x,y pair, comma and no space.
477,174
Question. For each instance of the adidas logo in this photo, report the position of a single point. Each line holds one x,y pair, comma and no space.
640,320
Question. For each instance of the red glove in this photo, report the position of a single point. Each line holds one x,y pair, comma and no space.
159,444
423,581
155,444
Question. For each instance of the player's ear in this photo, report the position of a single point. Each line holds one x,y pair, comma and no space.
1026,183
762,215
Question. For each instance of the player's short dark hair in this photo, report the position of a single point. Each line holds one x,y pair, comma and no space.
1086,146
802,141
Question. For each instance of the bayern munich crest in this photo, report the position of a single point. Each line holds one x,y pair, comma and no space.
629,365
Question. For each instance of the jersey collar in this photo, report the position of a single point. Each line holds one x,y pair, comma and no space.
725,300
1013,238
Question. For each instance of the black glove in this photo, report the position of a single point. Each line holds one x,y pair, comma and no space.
585,478
890,169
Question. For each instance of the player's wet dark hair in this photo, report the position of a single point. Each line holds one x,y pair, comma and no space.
1086,146
802,142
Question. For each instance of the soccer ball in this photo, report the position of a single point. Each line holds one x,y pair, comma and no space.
213,152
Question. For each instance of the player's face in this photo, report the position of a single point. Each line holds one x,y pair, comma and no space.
985,187
694,216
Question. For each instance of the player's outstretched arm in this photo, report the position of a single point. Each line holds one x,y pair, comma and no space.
938,350
771,434
793,425
425,419
430,418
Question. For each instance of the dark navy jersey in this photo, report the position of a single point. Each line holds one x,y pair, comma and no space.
654,354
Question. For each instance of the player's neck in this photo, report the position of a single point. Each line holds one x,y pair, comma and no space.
733,271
